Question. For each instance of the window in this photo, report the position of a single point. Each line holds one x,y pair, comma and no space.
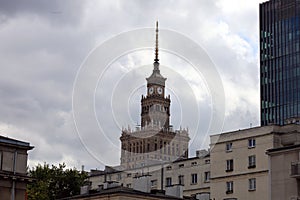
168,181
252,184
0,160
119,177
229,187
251,161
194,179
229,165
181,180
206,176
194,163
251,143
169,167
7,161
207,161
229,147
154,182
128,185
181,165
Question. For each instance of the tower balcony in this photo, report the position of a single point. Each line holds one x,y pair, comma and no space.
295,170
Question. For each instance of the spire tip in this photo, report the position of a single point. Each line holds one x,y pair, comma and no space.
156,44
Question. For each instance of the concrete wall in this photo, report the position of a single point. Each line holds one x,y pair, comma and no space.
241,174
240,187
283,186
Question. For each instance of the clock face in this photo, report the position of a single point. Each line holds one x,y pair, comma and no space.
159,90
151,90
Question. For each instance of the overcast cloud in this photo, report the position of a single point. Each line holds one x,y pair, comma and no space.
44,43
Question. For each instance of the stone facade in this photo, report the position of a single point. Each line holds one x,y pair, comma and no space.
285,166
13,168
139,150
239,164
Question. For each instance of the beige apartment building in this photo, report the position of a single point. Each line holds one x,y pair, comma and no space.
13,168
239,163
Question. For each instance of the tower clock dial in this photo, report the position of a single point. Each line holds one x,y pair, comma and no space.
159,90
151,90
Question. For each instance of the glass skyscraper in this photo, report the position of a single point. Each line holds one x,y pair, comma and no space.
279,61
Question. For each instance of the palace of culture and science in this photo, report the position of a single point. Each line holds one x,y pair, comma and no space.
155,141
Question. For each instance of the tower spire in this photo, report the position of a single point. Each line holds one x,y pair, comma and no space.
156,44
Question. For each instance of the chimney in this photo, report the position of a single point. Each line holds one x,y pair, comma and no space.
203,196
142,183
86,188
175,191
111,184
201,153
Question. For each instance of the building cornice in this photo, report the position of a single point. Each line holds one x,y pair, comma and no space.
240,174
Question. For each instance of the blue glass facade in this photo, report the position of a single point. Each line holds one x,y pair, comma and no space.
279,61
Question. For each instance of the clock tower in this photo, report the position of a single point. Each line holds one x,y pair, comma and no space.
155,109
154,141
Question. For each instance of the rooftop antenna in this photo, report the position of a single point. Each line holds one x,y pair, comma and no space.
156,44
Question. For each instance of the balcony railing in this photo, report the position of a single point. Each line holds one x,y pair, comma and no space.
295,169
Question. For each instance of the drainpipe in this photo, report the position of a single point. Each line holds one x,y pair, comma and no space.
162,178
269,178
13,189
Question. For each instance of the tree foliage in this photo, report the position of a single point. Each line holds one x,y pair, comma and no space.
54,182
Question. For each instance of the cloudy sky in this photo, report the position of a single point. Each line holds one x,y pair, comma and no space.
45,46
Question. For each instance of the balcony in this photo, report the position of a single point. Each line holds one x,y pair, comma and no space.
295,170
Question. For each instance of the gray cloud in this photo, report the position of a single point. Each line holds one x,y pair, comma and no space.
58,12
43,43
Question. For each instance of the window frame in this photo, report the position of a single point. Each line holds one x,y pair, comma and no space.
194,179
251,143
228,147
153,183
229,165
207,161
168,181
207,176
119,177
229,187
251,161
252,184
181,179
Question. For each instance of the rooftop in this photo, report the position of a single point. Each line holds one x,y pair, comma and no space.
14,142
122,192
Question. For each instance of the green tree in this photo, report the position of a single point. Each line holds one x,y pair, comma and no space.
54,182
